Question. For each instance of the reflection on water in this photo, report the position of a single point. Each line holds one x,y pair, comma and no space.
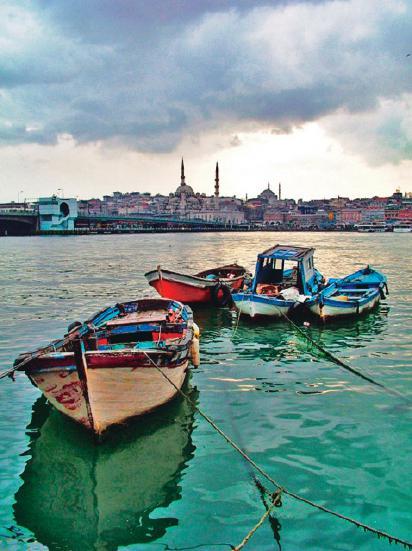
316,427
271,339
79,496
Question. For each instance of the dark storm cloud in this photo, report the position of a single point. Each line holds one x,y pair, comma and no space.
146,73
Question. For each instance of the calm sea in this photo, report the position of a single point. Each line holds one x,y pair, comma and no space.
168,481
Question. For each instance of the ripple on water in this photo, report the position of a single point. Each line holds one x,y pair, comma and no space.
316,428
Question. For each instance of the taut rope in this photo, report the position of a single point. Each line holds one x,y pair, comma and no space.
367,528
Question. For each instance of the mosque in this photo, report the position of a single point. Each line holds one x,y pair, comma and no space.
186,203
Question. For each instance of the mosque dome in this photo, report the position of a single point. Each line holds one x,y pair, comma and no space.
268,194
184,188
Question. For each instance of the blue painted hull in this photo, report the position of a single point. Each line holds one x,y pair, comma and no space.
352,295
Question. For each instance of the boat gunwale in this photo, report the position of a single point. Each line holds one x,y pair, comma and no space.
87,327
199,280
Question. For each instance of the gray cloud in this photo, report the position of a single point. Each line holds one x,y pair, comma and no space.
145,74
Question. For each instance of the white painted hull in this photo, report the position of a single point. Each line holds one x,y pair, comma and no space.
329,311
111,395
252,309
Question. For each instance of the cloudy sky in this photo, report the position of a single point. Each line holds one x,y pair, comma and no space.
102,95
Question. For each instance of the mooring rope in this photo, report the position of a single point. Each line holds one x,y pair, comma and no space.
365,527
40,352
343,364
275,503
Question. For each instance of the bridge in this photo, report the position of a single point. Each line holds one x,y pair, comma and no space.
145,220
26,222
18,221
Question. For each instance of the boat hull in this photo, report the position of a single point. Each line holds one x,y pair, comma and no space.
187,288
402,230
109,395
258,306
336,309
181,291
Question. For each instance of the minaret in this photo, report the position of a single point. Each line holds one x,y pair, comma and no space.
217,181
280,191
182,174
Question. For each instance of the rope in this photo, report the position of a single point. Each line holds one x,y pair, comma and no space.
37,354
275,503
338,361
343,364
365,527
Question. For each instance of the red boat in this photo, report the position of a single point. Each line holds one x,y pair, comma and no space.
214,285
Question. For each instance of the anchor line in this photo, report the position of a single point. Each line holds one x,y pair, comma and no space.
343,364
337,360
264,494
357,523
275,503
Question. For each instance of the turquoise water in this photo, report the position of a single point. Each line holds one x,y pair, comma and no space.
169,481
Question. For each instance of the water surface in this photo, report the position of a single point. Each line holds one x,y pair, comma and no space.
170,482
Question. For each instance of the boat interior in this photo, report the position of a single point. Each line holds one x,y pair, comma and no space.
275,276
230,271
344,294
140,325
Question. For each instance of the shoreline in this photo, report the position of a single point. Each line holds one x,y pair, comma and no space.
81,232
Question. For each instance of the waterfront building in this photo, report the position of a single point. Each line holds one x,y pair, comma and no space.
267,208
57,214
348,216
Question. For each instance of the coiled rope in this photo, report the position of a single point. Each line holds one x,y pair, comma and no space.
380,533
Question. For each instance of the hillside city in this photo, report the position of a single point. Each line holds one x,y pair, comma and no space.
184,206
268,208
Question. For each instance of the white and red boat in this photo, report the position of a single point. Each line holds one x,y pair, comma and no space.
214,285
125,361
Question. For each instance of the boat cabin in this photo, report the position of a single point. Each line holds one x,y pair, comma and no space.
285,267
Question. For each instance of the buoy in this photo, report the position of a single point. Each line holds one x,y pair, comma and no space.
195,348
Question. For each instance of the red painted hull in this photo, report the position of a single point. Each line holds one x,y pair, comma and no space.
187,293
190,289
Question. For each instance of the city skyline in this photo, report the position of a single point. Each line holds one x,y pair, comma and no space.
103,96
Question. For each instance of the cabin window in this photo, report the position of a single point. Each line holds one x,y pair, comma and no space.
271,271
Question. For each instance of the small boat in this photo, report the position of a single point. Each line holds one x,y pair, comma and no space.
352,295
114,366
402,228
285,277
372,228
210,286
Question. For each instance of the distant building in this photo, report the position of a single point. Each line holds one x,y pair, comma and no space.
57,214
267,208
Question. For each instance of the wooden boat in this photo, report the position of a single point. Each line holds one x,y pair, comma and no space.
213,285
352,295
78,496
285,277
112,366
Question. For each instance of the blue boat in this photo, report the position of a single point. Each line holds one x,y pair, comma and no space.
352,295
285,277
